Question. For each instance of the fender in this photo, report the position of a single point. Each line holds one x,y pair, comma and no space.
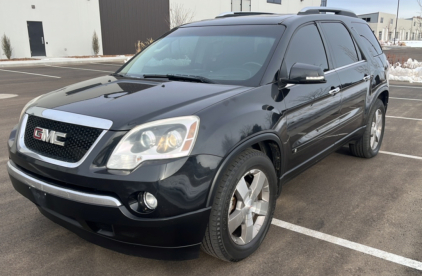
237,149
370,102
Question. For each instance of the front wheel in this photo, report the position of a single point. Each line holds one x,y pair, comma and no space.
243,207
370,143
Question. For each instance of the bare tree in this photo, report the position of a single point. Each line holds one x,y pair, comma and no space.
180,15
141,45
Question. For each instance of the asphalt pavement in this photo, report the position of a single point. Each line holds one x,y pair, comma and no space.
343,216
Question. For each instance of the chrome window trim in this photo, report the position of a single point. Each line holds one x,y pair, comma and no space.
65,117
61,192
337,69
344,67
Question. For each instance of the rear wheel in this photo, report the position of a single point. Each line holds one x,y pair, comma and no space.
243,207
370,143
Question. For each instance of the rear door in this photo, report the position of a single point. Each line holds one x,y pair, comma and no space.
373,54
36,38
354,75
312,112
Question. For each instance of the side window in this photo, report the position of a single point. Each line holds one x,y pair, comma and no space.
300,51
368,38
342,46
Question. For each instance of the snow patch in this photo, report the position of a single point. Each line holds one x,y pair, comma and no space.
410,71
413,43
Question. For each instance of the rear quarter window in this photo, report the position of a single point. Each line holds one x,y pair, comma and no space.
368,39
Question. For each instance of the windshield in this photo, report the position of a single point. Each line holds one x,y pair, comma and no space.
224,54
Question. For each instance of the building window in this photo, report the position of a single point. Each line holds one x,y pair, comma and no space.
380,36
414,24
274,1
397,35
323,3
391,21
382,20
407,36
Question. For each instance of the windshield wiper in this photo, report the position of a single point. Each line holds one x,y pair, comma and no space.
179,77
118,75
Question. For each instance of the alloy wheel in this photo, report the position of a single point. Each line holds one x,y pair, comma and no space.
248,207
376,129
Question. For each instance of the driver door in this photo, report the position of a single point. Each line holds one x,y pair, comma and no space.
313,110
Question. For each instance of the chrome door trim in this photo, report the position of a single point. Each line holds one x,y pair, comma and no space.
334,91
70,118
61,192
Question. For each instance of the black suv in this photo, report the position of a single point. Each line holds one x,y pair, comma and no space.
188,144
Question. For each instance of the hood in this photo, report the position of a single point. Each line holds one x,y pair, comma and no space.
129,103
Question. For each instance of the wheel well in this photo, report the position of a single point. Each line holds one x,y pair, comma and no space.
272,150
384,98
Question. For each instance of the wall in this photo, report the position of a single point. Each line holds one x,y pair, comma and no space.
287,6
203,9
407,29
207,9
123,23
68,25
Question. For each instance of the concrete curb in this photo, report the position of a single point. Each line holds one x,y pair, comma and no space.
60,61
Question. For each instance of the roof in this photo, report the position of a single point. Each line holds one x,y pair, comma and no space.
267,19
257,18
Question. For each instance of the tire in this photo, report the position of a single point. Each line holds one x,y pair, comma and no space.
245,172
365,146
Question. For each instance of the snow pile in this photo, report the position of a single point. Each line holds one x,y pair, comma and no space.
413,43
410,71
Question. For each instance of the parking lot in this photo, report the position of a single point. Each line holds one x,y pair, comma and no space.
344,216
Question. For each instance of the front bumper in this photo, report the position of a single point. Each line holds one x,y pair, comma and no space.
105,221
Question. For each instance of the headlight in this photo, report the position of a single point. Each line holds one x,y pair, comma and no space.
27,105
163,139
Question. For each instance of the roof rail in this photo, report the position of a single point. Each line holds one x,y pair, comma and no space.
232,14
318,10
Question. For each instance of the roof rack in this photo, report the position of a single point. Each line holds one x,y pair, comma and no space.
318,10
232,14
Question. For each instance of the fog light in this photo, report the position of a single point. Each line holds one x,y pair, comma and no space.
147,200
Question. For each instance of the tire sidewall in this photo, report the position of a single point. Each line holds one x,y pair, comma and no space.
367,142
234,250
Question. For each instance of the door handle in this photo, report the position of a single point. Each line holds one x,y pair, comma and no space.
366,78
42,40
334,91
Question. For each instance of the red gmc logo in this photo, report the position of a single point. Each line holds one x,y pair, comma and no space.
49,136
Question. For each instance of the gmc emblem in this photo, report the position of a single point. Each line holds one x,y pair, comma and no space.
49,136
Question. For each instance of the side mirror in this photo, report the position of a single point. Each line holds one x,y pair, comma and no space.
301,73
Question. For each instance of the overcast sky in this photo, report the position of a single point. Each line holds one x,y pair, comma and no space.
408,8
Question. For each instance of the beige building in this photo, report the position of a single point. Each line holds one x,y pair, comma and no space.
384,24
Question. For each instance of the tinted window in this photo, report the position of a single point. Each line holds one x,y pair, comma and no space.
230,55
368,38
300,49
342,46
